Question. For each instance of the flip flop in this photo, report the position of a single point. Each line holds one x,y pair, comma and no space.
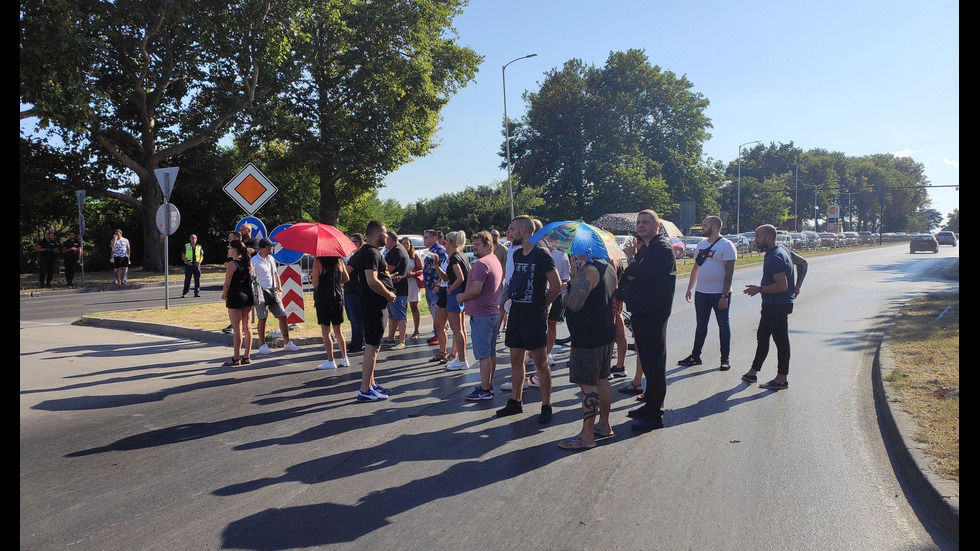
600,434
750,378
574,443
631,388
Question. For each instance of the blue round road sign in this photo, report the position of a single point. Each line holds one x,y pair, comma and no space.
284,256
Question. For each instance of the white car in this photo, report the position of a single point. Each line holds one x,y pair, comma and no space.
418,243
691,244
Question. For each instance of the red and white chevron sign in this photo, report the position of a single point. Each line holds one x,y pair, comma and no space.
292,293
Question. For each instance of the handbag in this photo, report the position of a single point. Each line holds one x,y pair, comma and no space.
703,253
257,291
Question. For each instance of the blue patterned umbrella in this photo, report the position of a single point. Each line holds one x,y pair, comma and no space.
578,237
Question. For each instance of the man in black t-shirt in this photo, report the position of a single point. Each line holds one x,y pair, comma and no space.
71,255
352,302
377,291
397,260
47,258
534,285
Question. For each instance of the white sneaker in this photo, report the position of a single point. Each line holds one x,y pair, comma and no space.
264,349
528,360
509,385
274,334
532,381
290,347
343,362
327,365
551,360
456,365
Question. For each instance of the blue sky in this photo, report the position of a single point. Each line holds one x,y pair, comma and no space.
859,77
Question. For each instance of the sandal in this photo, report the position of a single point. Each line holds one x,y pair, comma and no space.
246,360
575,443
631,388
231,362
438,358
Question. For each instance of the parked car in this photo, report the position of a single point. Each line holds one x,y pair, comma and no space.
852,239
678,246
946,238
828,239
691,244
866,237
923,242
742,245
812,239
799,242
784,239
418,244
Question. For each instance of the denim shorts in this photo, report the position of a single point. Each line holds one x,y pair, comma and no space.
483,335
451,304
397,309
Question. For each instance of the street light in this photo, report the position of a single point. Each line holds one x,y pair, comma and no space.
503,73
738,200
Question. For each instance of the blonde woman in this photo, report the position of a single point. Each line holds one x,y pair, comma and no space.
453,274
239,299
414,282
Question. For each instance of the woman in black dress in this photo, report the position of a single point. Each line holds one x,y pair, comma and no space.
239,299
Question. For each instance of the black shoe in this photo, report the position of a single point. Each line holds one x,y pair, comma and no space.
616,373
642,411
513,407
650,422
183,296
545,415
725,366
228,330
197,295
690,360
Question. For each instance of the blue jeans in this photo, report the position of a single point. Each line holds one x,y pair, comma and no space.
431,297
352,305
704,303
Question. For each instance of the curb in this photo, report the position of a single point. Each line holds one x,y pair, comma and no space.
938,497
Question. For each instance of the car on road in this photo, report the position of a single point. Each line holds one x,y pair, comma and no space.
691,244
923,242
742,245
812,239
946,238
866,237
828,240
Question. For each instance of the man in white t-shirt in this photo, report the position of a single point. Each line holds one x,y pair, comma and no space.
714,265
264,267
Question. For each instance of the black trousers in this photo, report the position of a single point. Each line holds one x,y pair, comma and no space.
47,267
70,265
774,324
650,335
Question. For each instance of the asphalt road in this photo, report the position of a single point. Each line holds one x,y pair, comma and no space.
136,441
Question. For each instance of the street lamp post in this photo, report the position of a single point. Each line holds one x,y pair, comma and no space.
738,200
503,74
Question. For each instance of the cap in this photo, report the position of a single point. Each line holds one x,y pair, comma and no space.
263,243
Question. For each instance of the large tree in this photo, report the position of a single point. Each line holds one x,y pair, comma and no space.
366,92
625,136
142,81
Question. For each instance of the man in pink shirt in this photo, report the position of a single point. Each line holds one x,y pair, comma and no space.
480,296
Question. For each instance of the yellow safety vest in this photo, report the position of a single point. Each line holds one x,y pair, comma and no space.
198,251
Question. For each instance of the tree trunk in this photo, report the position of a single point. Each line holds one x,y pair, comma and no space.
153,260
329,207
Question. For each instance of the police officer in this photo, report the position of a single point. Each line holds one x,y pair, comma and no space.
71,255
193,255
47,257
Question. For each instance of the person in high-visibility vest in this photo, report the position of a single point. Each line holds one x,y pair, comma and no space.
193,255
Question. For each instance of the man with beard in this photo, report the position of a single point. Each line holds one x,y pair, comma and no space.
377,292
534,285
714,266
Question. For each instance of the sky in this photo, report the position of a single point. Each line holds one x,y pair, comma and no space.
857,77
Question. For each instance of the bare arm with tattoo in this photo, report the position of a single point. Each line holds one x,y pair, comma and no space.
801,267
579,286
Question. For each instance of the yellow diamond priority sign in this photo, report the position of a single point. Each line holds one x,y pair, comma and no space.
250,188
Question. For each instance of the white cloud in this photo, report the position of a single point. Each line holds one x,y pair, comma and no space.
949,162
903,153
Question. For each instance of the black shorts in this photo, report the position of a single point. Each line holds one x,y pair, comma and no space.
120,262
587,365
557,311
443,299
373,327
330,312
527,327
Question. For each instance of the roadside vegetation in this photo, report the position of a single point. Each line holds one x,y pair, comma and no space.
925,342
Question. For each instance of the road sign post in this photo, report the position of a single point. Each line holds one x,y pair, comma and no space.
167,214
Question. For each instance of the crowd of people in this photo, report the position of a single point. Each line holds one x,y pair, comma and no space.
523,289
